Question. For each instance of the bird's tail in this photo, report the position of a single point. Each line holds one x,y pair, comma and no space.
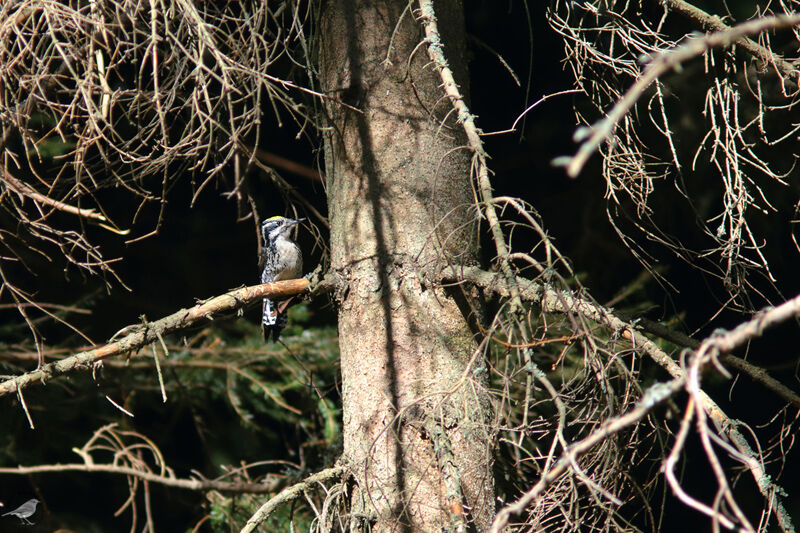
272,321
269,316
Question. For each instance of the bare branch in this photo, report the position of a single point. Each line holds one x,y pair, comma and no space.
289,494
714,23
754,372
23,189
553,301
149,332
738,143
652,397
236,487
658,66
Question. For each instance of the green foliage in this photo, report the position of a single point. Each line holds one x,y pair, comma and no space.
237,409
233,512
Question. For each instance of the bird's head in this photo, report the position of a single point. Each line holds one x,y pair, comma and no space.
274,228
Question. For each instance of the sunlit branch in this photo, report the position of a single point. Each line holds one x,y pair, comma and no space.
288,494
168,481
713,23
140,335
553,301
652,397
660,65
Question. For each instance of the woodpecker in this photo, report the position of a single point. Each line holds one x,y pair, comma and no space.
280,259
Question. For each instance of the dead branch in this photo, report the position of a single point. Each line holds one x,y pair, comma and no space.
23,189
710,349
289,494
742,112
652,397
235,487
149,332
713,23
756,373
708,352
659,65
553,301
139,459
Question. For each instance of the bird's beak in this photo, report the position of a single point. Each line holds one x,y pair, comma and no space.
297,221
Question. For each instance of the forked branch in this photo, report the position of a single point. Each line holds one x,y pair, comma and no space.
553,301
713,23
289,494
660,65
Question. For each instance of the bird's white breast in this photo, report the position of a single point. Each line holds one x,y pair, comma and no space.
291,261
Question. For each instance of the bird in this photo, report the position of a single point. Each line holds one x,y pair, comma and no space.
280,260
24,511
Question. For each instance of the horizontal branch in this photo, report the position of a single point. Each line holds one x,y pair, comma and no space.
551,300
190,484
287,164
140,335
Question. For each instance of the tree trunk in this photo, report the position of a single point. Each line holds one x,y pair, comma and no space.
401,206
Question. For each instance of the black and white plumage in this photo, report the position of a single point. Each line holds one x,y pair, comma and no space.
281,259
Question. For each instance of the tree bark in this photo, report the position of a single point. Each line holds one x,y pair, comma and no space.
416,432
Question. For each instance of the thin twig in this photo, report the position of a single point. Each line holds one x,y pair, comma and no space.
652,397
553,301
714,23
289,494
661,64
236,487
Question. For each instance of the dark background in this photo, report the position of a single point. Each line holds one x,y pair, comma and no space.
202,250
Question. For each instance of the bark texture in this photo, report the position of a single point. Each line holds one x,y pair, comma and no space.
401,207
